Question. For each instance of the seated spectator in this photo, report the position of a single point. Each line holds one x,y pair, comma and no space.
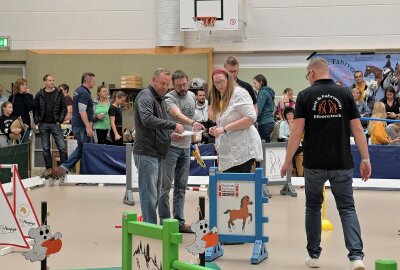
3,98
362,106
377,129
393,131
286,125
6,120
392,103
286,101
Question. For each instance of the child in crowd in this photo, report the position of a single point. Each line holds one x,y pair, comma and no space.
6,120
118,99
286,101
376,129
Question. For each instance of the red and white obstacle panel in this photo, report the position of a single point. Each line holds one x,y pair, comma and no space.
16,223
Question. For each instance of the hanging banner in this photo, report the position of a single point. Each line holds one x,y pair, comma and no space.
373,66
10,231
23,208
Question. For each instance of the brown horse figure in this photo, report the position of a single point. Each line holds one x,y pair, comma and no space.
242,213
377,72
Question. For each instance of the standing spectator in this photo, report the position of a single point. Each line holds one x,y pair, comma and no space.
118,99
3,98
6,120
180,105
152,141
326,112
231,64
393,132
377,129
286,101
68,100
392,103
82,114
359,83
266,106
237,141
50,114
23,105
201,113
101,117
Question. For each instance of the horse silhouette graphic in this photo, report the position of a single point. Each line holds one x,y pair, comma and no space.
242,213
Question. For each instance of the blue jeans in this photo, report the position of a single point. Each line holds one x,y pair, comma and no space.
265,131
55,130
341,186
176,170
81,137
150,173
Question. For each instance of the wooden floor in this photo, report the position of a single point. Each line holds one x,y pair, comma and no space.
86,216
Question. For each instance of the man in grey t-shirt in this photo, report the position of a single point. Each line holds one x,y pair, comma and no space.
180,105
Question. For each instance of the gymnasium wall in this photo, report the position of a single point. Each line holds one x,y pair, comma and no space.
271,25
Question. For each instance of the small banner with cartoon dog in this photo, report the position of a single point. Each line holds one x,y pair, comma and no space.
23,208
10,231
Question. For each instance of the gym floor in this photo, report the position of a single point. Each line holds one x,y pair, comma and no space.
86,217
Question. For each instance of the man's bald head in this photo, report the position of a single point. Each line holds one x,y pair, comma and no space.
317,69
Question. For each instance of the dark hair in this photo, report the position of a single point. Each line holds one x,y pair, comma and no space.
287,90
64,86
178,74
391,90
46,76
231,61
198,90
87,76
358,71
117,94
261,80
287,110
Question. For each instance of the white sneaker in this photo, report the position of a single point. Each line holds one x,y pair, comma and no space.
357,265
312,263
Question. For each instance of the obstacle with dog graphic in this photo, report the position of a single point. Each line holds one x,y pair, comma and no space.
142,255
236,209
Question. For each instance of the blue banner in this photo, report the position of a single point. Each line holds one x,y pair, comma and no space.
343,66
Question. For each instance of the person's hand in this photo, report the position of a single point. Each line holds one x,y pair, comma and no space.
179,128
365,169
197,126
218,132
176,137
89,131
287,166
100,116
391,115
211,130
117,137
16,130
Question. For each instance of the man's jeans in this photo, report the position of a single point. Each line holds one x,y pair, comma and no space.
81,137
150,173
55,130
176,170
341,186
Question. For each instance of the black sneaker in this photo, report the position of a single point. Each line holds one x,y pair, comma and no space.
185,229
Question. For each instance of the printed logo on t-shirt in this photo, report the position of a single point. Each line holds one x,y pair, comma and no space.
327,106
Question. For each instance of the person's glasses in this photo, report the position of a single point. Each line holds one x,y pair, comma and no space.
181,86
308,74
219,82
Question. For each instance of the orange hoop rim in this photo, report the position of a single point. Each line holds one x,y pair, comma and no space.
206,21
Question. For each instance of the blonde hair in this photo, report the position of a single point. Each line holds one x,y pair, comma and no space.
219,102
379,111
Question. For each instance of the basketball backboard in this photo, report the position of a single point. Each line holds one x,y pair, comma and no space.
226,12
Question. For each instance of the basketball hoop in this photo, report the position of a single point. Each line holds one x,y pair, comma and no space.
204,27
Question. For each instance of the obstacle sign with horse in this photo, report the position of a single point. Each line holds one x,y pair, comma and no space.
236,209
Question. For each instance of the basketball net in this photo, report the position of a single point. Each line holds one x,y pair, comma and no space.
204,27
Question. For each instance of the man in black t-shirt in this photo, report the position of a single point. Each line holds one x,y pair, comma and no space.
326,112
50,114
